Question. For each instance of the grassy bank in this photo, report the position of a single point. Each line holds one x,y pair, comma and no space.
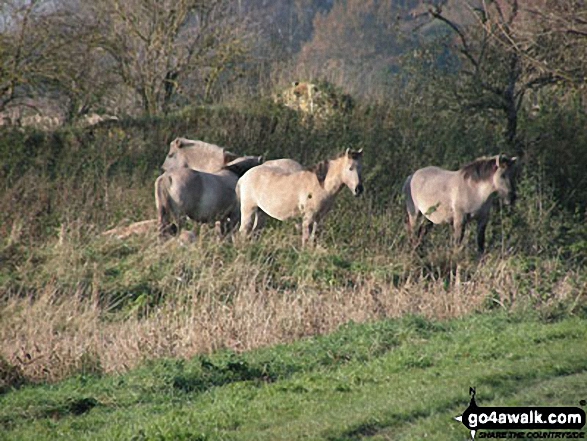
402,379
102,305
74,301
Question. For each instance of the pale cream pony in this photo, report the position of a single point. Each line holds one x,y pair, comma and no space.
307,193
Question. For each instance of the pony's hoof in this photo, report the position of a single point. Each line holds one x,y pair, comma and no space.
187,237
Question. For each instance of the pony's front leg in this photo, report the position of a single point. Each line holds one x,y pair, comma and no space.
308,229
222,228
481,226
459,229
482,219
313,229
230,223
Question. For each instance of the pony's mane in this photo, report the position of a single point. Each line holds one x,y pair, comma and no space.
201,145
184,142
321,169
206,148
481,169
242,165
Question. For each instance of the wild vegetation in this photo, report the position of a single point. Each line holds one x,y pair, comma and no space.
117,303
400,379
198,323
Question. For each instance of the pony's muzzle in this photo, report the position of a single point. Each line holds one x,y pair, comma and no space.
513,198
510,199
359,190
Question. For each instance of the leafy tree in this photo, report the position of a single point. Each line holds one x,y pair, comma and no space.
49,60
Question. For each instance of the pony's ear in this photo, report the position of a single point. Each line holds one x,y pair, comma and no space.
505,162
321,170
182,142
502,161
261,159
354,155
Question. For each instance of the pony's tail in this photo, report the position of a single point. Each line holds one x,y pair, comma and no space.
407,190
236,211
162,199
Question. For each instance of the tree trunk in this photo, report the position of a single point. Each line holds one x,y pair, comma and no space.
509,95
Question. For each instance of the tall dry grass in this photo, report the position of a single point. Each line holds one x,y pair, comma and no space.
72,301
85,311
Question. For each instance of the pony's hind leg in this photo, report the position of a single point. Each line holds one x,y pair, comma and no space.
413,214
167,229
164,226
260,219
417,227
423,229
165,208
228,224
248,219
411,220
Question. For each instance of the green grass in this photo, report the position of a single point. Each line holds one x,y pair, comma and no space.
396,379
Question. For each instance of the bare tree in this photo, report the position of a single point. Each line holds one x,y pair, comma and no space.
506,52
156,45
20,50
47,58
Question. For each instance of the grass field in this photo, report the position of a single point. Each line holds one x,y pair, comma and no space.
398,379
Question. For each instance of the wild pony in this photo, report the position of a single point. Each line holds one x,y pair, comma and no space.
197,155
202,156
444,196
308,193
201,196
285,165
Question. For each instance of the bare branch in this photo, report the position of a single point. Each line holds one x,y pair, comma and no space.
437,13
